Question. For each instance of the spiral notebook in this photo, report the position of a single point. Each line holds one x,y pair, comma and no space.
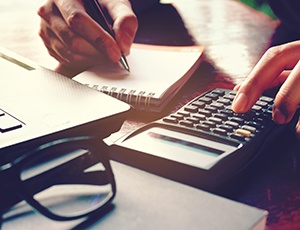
156,74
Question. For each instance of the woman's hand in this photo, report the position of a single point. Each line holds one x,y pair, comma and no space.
77,41
279,65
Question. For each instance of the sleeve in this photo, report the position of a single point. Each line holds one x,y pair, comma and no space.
141,5
288,14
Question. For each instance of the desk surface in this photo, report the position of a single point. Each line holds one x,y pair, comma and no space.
235,37
146,202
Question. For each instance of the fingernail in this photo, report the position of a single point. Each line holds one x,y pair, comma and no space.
278,116
240,102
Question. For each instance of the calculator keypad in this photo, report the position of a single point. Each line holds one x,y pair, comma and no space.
211,114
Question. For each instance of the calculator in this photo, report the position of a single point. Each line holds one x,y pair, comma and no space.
205,143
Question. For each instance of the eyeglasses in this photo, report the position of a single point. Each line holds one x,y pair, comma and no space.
64,180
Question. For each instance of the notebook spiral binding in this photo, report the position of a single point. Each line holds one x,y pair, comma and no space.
140,100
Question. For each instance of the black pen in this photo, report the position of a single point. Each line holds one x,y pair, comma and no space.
94,9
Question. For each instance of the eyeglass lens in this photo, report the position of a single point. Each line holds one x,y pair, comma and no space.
68,183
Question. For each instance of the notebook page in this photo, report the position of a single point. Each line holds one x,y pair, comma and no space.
153,69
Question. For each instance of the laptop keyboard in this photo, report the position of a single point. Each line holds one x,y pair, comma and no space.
8,123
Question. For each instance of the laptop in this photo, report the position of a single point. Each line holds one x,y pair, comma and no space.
38,105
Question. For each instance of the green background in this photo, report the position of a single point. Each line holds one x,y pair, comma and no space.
261,6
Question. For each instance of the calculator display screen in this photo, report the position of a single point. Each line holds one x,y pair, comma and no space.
179,147
187,144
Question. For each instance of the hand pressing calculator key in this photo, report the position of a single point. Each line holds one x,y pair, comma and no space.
204,144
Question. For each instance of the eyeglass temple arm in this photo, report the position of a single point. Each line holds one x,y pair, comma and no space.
66,176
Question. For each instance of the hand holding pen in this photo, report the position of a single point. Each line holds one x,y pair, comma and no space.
94,9
77,41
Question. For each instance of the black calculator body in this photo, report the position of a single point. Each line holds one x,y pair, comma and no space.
204,144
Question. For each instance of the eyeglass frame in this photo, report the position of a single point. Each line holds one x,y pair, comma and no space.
13,170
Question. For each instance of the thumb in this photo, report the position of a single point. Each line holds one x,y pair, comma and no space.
125,23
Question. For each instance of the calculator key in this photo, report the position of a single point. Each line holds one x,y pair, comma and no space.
262,117
249,128
186,123
204,112
224,101
228,128
184,113
203,127
219,131
193,119
237,120
259,119
229,97
211,109
257,125
267,99
217,105
205,100
213,96
256,108
237,136
231,123
199,104
268,113
243,132
200,117
226,111
172,120
191,108
177,116
262,103
221,116
215,120
219,92
229,107
209,123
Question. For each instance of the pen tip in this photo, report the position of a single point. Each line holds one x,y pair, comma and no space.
124,63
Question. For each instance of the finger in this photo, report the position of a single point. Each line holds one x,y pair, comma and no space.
55,48
76,17
53,54
61,53
125,22
288,97
277,81
52,18
280,79
237,87
270,66
77,61
298,129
